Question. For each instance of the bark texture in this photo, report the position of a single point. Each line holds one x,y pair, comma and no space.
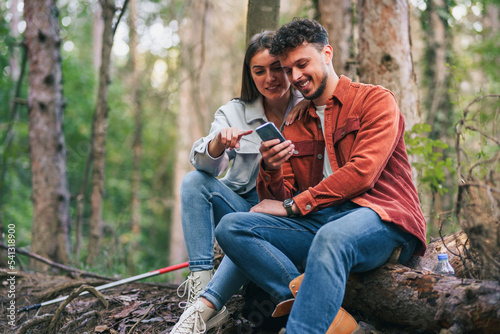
47,146
262,15
336,17
99,130
419,300
385,52
135,87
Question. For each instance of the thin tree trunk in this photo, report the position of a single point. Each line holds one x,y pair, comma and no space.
437,99
262,15
135,84
191,121
336,17
385,52
97,33
99,128
47,146
437,37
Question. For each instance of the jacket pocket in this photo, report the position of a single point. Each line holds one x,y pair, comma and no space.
343,140
303,148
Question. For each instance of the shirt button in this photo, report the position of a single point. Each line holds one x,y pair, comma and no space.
308,207
267,178
320,156
295,152
319,125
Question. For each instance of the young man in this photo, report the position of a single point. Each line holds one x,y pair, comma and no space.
338,200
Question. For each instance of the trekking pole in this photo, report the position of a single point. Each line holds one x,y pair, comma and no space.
110,285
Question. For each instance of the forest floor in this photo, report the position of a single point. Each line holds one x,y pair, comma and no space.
132,308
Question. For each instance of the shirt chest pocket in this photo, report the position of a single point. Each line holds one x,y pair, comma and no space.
343,140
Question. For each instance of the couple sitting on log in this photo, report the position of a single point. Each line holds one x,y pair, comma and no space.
336,196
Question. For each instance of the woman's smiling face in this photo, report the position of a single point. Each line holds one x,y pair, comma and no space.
268,75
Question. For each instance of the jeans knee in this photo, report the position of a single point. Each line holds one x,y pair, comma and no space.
227,229
330,243
193,180
223,230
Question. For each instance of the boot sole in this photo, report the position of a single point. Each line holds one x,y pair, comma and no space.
219,319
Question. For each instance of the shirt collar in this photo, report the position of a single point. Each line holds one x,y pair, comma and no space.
340,92
255,110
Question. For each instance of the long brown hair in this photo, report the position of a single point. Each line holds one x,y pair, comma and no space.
258,43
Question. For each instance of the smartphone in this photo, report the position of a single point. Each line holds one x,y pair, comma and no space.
269,131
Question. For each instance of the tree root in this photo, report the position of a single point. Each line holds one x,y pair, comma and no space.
90,314
73,295
32,322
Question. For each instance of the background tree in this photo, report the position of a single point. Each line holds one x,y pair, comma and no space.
204,87
47,146
262,15
385,56
135,97
337,16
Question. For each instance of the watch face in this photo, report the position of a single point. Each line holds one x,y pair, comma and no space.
288,202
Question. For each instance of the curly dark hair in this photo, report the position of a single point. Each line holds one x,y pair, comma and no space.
296,32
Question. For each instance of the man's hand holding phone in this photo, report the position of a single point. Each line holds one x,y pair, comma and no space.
275,149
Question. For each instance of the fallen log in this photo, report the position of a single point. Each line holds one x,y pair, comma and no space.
421,301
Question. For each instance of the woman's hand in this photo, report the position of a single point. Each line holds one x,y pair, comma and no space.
275,154
297,112
228,138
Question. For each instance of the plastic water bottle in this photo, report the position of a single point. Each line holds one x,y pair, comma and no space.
444,267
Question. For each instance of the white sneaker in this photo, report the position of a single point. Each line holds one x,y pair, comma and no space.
194,285
199,318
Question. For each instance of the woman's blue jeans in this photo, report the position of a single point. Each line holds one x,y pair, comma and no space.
204,201
329,244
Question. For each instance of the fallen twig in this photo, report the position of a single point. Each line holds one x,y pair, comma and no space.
89,314
58,265
32,322
73,295
138,322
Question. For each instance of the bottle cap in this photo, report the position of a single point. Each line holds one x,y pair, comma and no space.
442,256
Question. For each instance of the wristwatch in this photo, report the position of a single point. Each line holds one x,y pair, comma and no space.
287,204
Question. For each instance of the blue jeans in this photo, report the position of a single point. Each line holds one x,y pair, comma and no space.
204,201
329,244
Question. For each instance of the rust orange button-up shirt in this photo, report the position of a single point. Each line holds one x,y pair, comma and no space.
364,139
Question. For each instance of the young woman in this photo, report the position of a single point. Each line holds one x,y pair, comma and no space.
265,96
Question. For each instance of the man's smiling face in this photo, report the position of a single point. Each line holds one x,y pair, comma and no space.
307,70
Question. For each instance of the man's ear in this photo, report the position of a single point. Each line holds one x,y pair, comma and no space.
327,53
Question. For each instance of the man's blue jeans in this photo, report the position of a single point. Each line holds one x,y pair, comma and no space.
329,244
204,201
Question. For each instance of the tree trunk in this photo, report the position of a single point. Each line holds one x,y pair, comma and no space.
336,17
203,88
262,15
190,121
385,52
99,128
135,85
437,37
422,301
47,146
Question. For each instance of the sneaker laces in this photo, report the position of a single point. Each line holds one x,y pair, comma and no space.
192,286
188,324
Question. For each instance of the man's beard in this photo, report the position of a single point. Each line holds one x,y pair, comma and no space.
321,88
